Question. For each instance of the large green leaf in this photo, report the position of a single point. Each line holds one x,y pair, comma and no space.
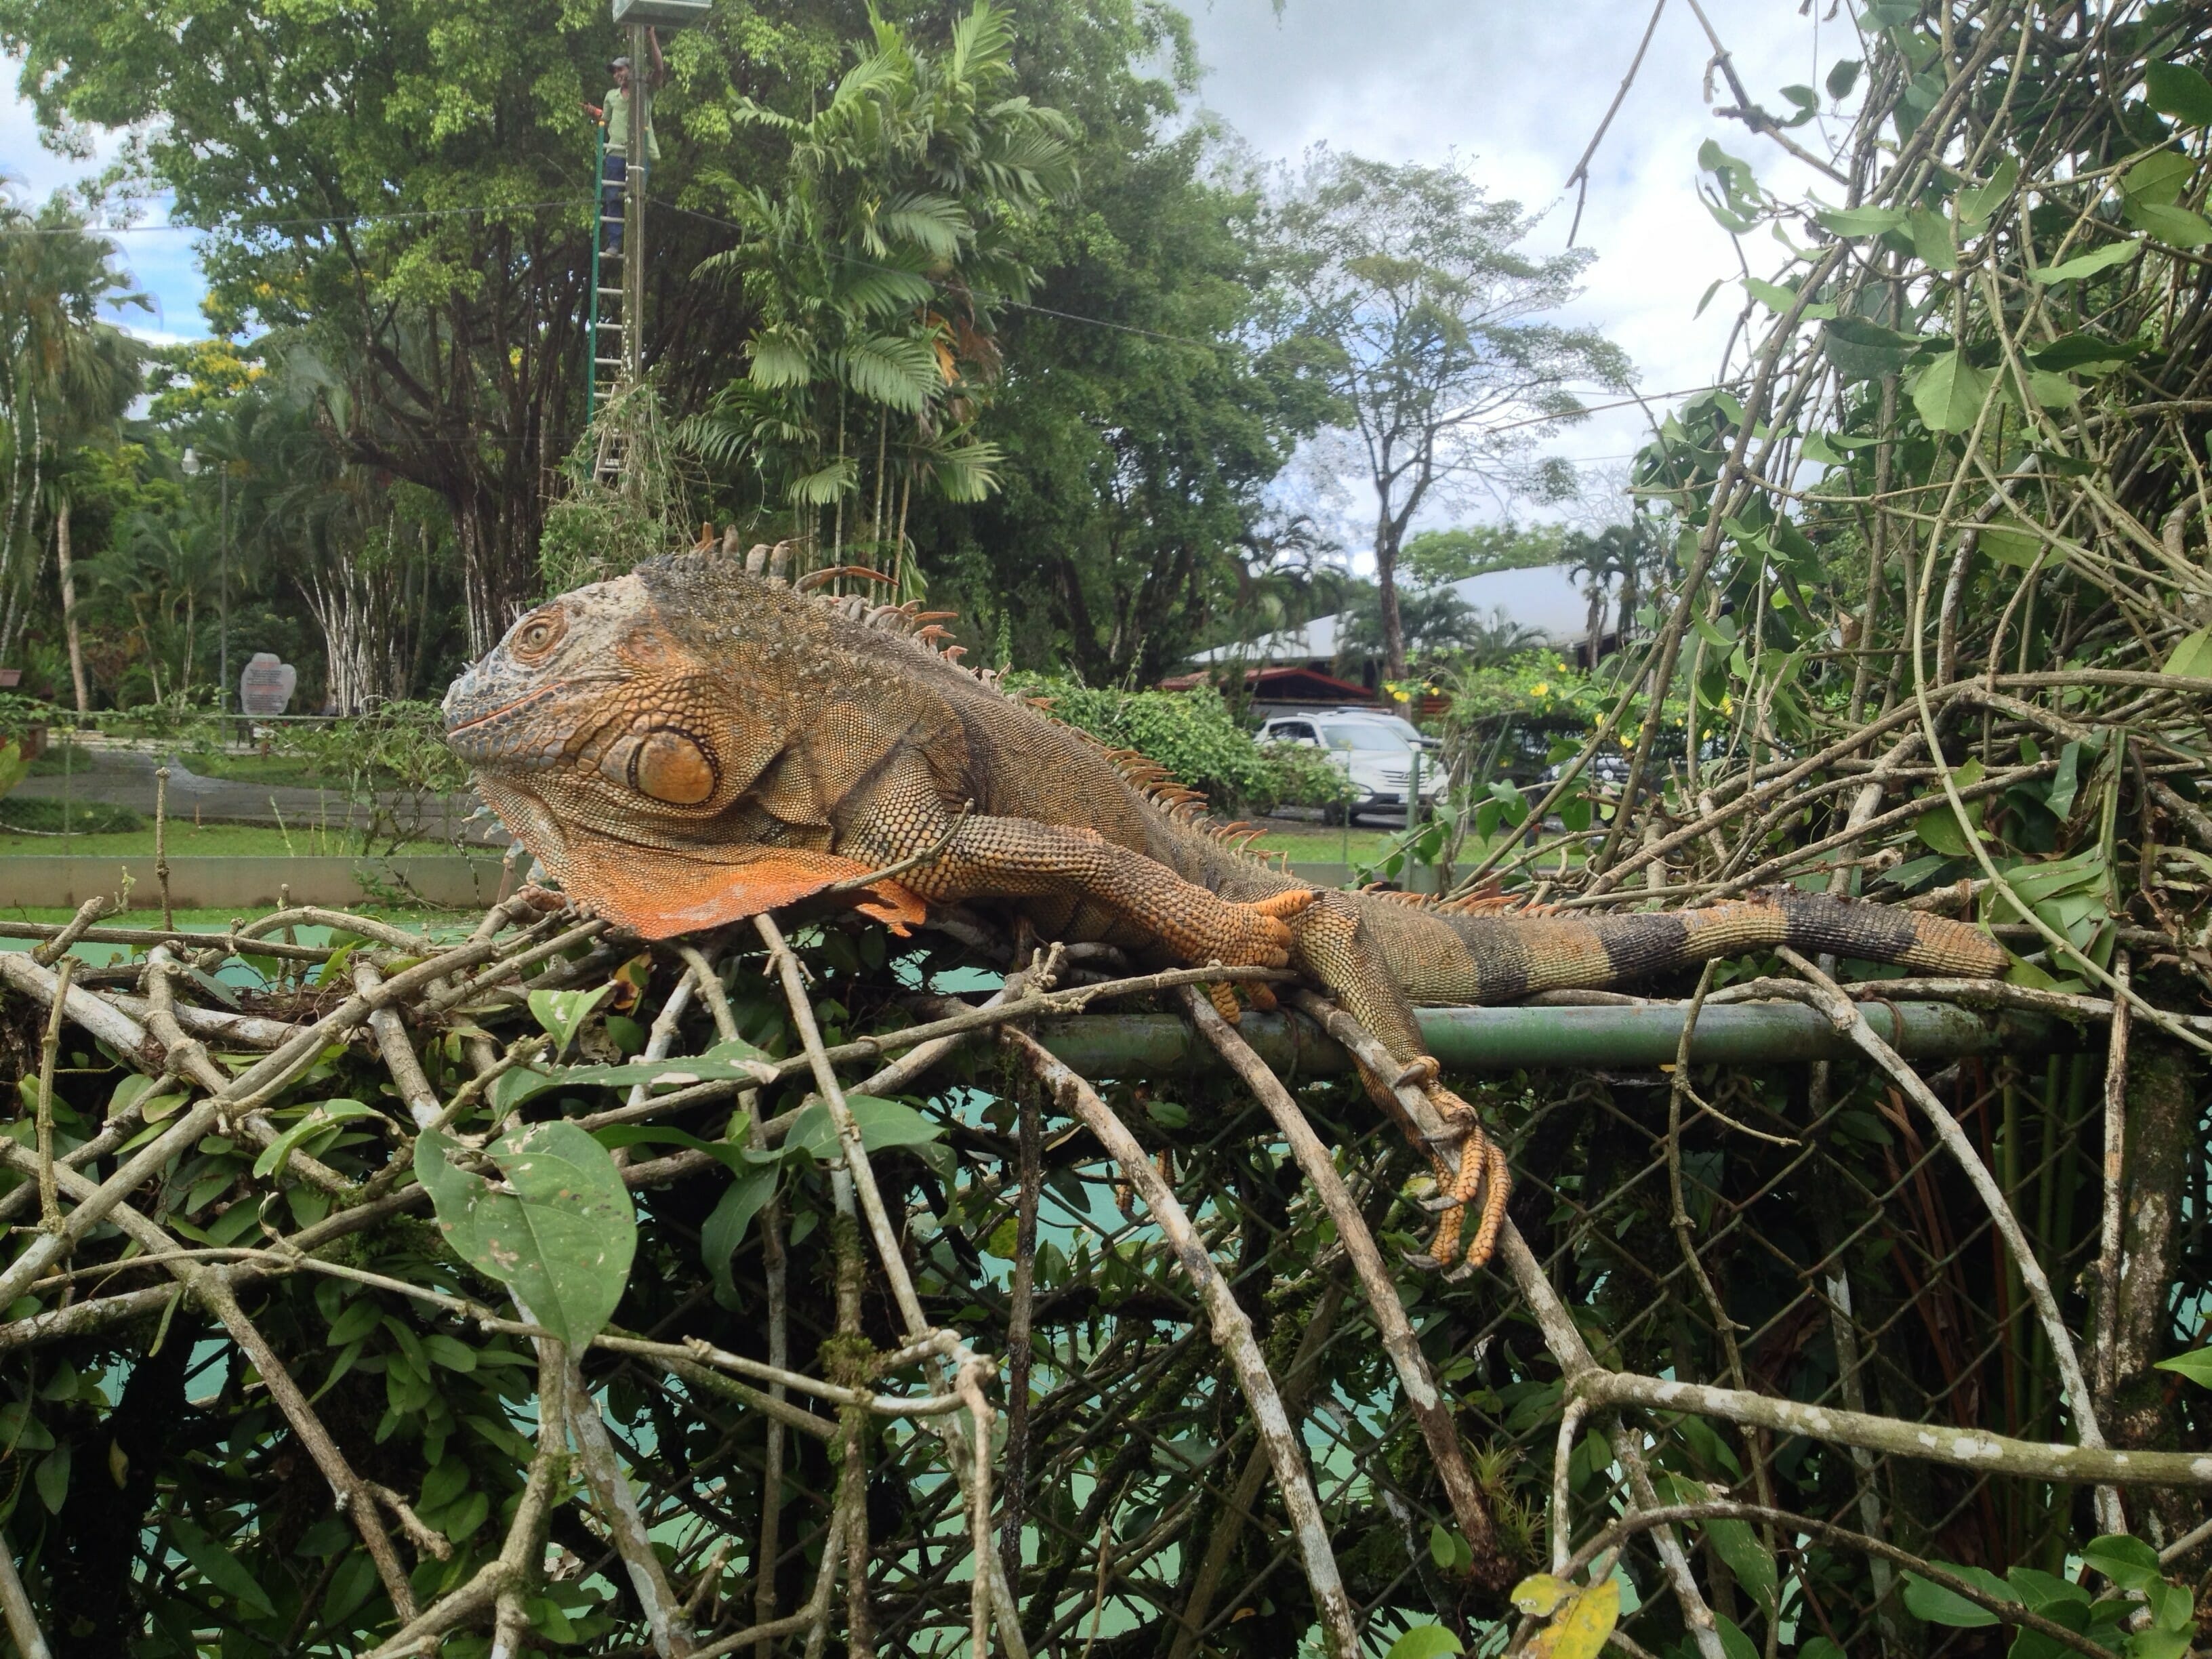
883,1124
2196,1365
1862,221
2089,264
1863,351
726,1227
562,1014
724,1062
1425,1642
217,1564
561,1233
2193,656
1949,394
2180,91
1938,1606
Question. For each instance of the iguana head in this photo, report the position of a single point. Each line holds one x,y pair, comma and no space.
608,743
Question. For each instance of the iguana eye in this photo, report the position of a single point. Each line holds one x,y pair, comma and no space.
670,766
541,633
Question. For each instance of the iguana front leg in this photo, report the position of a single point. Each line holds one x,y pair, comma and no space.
987,857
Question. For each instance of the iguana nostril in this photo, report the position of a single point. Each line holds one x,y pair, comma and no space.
670,766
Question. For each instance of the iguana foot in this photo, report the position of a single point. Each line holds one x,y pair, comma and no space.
1283,906
1480,1170
1223,995
1419,1073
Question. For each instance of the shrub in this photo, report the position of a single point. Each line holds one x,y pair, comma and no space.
1193,735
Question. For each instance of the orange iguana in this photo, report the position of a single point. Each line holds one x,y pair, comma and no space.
700,741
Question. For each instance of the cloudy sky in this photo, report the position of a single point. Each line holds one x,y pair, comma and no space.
1510,89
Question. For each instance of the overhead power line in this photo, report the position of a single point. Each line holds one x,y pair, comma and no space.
485,208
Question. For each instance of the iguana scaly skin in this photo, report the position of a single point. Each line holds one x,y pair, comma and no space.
697,741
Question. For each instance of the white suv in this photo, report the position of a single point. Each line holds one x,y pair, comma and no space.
1376,751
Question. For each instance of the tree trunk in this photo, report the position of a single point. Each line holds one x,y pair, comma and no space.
69,605
2161,1140
1386,582
1597,621
1628,597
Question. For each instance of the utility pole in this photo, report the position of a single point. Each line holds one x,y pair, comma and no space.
640,85
222,648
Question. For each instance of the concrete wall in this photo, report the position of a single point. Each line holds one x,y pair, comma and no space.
447,881
246,883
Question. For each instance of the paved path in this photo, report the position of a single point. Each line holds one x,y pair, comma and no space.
122,776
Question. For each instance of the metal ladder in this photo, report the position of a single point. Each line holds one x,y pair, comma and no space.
607,329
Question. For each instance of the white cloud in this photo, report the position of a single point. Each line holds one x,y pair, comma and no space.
1514,92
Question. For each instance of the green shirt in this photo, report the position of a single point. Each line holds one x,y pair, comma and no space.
617,108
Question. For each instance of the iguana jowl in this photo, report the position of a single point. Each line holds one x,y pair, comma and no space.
697,741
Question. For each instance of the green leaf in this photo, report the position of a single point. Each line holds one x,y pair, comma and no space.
2129,1563
2089,264
2081,353
1975,205
2196,1365
1853,223
2180,91
1843,76
1949,394
883,1124
1776,298
219,1566
735,1060
1932,240
1938,1606
562,1014
2012,543
353,1583
2176,226
1739,1545
2192,657
561,1236
52,1478
1863,351
326,1114
1425,1642
725,1229
779,361
2158,179
359,1319
1820,1648
2161,1643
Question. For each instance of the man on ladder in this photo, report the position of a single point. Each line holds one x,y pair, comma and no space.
614,118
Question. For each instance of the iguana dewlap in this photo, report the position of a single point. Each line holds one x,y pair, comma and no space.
694,743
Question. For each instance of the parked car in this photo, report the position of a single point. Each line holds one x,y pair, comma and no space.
1377,752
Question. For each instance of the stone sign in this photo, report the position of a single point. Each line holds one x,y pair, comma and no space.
266,687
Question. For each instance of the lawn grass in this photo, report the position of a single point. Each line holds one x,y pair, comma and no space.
1318,843
188,840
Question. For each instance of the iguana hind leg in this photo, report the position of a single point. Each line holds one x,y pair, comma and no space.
1334,947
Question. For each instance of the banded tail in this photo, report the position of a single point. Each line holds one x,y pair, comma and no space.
1516,957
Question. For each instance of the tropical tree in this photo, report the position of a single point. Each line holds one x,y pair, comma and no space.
872,259
1407,286
66,378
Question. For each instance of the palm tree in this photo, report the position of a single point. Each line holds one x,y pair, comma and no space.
871,263
66,378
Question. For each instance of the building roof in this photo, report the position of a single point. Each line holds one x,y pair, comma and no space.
1547,599
1294,684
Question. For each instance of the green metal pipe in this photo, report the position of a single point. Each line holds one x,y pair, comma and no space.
1125,1046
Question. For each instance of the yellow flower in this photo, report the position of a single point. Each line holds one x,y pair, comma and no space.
1541,688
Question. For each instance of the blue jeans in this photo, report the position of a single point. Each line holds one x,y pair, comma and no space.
614,176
